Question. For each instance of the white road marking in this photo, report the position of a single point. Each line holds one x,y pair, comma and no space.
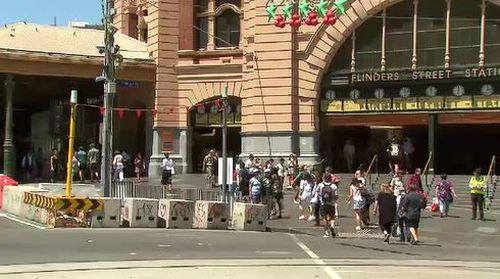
273,252
486,230
2,214
316,258
164,246
12,218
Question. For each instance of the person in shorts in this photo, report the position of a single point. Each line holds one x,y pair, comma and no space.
93,159
209,164
81,156
328,195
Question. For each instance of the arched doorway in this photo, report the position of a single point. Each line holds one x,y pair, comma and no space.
409,71
206,124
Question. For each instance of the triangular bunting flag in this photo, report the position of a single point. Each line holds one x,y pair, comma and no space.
121,113
138,113
102,110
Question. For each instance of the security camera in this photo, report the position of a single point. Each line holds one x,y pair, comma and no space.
101,48
119,58
116,49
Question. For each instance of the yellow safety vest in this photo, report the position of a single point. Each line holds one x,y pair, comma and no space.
477,185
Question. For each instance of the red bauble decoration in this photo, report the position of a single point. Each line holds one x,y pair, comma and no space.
282,24
102,110
295,17
330,13
314,22
308,21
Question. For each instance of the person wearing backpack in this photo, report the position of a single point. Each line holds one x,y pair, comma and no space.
328,195
445,194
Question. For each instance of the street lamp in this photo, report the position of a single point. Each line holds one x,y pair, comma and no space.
71,141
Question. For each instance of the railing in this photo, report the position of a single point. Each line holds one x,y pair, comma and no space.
373,163
425,174
490,183
136,189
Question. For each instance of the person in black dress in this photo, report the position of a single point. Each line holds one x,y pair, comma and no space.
385,205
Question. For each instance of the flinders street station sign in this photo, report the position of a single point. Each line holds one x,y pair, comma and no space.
425,75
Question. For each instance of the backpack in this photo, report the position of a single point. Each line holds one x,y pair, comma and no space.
327,194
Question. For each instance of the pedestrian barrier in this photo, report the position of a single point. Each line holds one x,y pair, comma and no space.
109,217
175,214
140,213
249,217
211,215
84,204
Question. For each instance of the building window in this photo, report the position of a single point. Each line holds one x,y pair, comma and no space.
217,23
227,32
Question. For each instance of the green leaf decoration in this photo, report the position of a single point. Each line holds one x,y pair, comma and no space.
340,5
304,8
288,9
271,11
322,7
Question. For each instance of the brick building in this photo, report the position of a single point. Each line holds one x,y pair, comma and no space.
421,69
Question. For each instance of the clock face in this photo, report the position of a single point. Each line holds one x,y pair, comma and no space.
355,94
379,93
431,91
458,90
487,89
330,95
405,92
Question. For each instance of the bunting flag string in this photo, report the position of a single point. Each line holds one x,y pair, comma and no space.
154,111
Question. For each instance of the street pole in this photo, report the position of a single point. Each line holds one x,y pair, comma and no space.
110,51
71,142
9,149
224,144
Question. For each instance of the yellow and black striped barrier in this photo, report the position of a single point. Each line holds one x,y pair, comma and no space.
38,200
84,204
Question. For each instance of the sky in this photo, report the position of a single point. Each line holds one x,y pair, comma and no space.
43,11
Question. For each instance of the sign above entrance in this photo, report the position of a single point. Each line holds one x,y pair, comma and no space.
438,103
423,75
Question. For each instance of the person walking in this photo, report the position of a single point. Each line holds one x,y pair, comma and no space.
416,181
139,166
168,170
293,168
412,204
408,150
81,156
28,163
477,189
278,195
209,163
315,200
93,159
54,166
118,166
394,154
358,202
385,206
445,194
305,196
328,195
255,186
280,171
349,154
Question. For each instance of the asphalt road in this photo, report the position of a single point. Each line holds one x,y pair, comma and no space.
203,254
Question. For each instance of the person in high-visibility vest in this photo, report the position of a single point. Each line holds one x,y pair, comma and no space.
477,189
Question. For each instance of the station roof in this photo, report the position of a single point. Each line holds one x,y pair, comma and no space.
28,38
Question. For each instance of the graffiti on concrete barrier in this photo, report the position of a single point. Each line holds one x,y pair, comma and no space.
182,210
200,216
217,211
144,210
162,210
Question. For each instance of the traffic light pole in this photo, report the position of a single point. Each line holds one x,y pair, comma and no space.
109,94
224,145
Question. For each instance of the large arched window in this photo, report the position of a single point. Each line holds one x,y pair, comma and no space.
217,23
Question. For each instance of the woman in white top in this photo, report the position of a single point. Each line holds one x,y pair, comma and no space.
118,166
358,201
305,196
168,167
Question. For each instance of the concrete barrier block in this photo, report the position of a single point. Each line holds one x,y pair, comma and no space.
249,217
140,213
109,216
211,215
176,214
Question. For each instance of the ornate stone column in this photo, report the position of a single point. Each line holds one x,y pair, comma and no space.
9,149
